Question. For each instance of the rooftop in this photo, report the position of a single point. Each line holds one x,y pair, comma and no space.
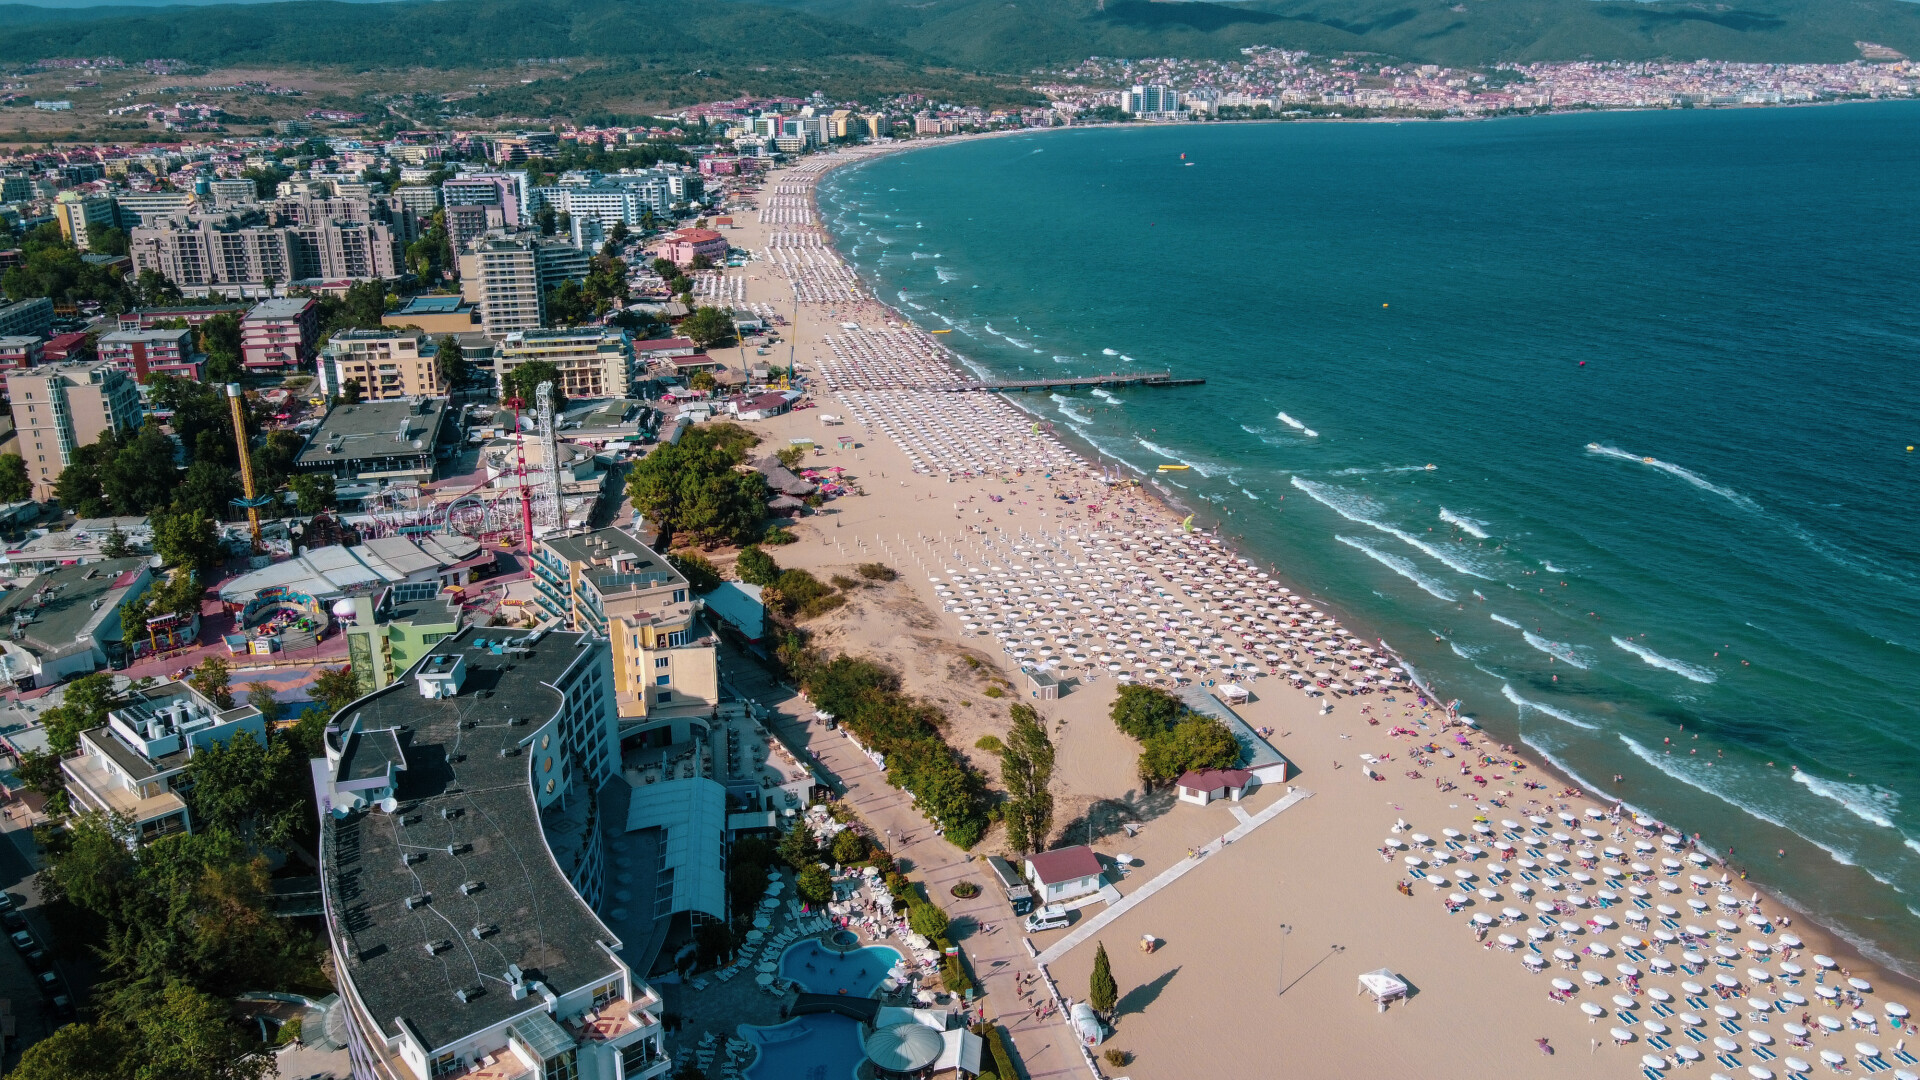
60,604
433,305
479,893
1064,864
374,429
615,561
281,307
129,336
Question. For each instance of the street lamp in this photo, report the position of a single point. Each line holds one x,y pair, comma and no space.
1285,932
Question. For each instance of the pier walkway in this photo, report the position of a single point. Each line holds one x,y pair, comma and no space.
1084,382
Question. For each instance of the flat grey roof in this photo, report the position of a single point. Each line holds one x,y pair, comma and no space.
280,307
372,429
432,305
451,747
68,608
1255,752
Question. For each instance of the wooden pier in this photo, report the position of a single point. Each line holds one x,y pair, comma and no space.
1085,382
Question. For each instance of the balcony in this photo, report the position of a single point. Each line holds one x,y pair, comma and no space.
93,784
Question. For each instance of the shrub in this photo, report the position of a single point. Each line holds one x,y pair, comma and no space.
1117,1058
994,692
849,847
778,536
702,575
756,567
843,582
874,571
797,592
997,1046
926,918
791,456
815,885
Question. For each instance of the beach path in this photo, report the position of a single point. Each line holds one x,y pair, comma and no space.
1172,874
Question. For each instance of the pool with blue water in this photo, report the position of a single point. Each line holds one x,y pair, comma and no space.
820,970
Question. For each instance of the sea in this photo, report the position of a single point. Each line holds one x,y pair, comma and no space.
1604,421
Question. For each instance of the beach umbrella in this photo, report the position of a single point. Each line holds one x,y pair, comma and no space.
1693,988
1659,995
1860,984
1833,1057
1795,1065
1686,1054
1830,1023
1721,1042
1759,1073
1654,1061
1866,1050
1592,978
1621,1035
1726,1012
1690,1019
1893,1008
1563,986
1591,1009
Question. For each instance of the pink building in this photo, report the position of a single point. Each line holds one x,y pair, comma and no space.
278,335
682,246
144,353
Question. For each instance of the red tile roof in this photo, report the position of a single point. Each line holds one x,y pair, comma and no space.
1065,864
1214,779
664,345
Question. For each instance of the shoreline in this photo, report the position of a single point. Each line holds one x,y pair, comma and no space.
1325,841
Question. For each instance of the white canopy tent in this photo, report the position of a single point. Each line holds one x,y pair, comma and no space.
1384,985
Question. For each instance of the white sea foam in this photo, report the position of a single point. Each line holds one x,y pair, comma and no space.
1109,352
1106,397
1865,801
1667,663
1297,426
1671,469
1504,621
1251,430
1017,343
1567,771
1561,715
1548,566
1063,359
1127,358
988,327
1479,594
1403,567
946,276
1559,650
1158,449
1358,508
1466,525
1067,411
916,307
1683,770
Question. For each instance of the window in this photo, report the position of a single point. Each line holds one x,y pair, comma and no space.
662,661
663,696
635,1056
662,680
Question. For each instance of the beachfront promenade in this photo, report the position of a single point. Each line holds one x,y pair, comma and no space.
1092,926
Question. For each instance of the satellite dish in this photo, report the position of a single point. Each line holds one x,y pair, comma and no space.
416,444
389,804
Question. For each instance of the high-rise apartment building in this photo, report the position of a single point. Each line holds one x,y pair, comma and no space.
27,317
389,365
594,362
143,353
277,336
242,253
608,583
462,860
62,406
509,275
147,207
82,216
1149,100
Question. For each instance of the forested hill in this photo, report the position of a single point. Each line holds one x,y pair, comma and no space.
901,39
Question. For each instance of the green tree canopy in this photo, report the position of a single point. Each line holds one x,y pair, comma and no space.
524,382
213,677
14,483
314,491
755,567
1102,992
815,885
692,486
1026,768
253,791
141,477
188,540
209,488
1196,742
709,327
798,847
1144,711
450,360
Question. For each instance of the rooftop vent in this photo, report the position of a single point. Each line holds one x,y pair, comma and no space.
417,900
509,751
438,946
484,931
411,857
451,812
468,888
469,993
459,849
520,721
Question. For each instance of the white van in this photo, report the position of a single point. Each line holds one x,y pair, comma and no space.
1051,917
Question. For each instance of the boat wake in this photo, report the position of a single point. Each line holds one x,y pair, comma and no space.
1297,426
1671,469
1403,567
1466,525
1667,663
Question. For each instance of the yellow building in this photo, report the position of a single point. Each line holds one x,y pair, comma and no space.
665,663
389,365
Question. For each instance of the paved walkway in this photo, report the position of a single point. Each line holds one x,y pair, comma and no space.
1167,877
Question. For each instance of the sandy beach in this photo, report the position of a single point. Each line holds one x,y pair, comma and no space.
1260,940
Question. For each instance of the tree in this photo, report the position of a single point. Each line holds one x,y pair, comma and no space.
1026,768
1144,711
220,340
692,486
212,678
849,847
187,540
1196,742
335,688
115,545
815,885
450,360
314,491
260,696
79,1052
208,488
927,919
709,327
798,847
702,381
79,488
14,484
140,476
249,789
154,290
524,382
1102,992
756,567
701,575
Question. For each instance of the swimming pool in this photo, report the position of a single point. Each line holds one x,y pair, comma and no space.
820,970
822,1046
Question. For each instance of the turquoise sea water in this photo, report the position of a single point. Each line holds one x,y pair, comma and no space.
1665,365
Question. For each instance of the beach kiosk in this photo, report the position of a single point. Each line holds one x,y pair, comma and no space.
1064,873
1202,786
903,1049
1384,985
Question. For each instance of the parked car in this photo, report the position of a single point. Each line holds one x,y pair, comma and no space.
22,940
1051,917
37,959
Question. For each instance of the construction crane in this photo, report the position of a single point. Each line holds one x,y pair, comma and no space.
251,501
